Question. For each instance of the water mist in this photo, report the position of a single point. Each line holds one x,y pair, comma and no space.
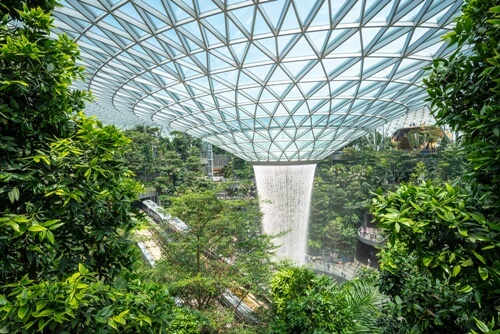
285,196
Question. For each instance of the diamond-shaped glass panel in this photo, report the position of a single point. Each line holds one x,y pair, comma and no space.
266,80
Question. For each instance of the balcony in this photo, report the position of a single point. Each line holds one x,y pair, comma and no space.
371,236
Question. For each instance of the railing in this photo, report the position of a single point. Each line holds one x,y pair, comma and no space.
371,236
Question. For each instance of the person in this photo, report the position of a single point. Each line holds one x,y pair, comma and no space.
328,266
342,272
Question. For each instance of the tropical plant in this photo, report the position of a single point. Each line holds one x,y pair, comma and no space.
309,303
222,249
452,243
65,215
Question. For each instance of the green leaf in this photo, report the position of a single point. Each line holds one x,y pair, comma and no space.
21,313
479,256
112,323
467,263
477,298
456,270
51,222
84,271
463,231
21,219
147,319
106,311
44,313
449,216
13,225
37,228
478,217
50,237
482,326
14,195
465,289
42,323
398,300
483,272
40,305
53,227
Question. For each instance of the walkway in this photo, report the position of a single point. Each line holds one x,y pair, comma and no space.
346,272
150,250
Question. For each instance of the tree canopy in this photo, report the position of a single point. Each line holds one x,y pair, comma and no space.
65,215
448,234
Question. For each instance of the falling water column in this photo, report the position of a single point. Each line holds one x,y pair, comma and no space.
285,197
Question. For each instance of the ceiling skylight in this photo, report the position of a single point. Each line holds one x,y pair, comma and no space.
276,80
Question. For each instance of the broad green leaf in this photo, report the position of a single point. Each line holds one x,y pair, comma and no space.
40,305
21,219
483,272
37,228
44,313
53,227
467,263
119,319
42,323
50,237
147,319
84,271
398,300
465,289
112,323
14,194
449,216
479,256
107,311
478,217
456,270
51,222
21,313
463,231
13,225
415,206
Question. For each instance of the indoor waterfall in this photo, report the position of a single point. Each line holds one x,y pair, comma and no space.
285,196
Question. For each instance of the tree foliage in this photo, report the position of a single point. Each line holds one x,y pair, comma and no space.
222,250
65,217
452,244
464,90
309,303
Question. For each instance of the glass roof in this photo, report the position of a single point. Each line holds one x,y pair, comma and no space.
268,80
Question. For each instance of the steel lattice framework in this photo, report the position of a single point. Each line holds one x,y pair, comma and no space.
276,80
